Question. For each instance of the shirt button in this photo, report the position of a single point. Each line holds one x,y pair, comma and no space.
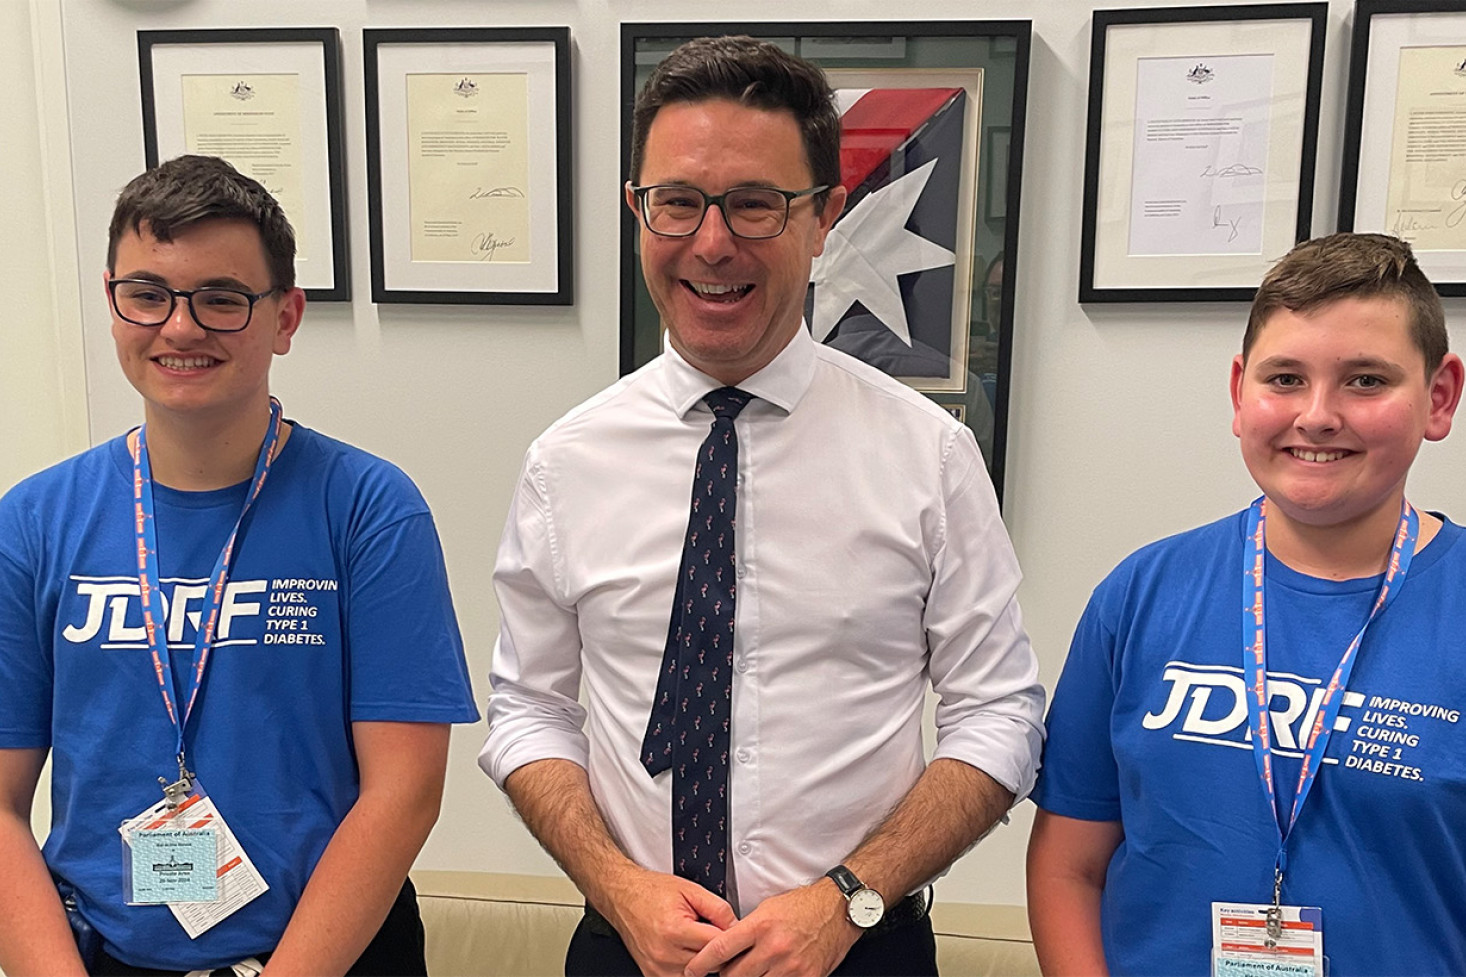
744,848
742,571
741,665
742,756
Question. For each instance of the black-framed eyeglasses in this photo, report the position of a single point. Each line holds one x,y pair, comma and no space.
145,303
753,213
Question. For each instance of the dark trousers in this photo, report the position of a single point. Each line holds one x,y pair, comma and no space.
397,950
909,950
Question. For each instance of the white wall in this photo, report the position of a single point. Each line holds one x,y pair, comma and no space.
42,387
1120,421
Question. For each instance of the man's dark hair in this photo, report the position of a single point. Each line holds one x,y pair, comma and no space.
753,73
1346,265
176,195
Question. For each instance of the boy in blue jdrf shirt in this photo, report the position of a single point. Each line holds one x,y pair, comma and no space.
1265,713
232,607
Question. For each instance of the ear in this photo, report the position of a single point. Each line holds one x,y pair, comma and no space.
107,298
287,319
1239,370
631,200
834,207
1445,395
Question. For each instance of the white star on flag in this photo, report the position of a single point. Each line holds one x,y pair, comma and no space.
867,250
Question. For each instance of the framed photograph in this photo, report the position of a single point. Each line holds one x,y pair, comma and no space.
1405,132
932,120
468,165
269,102
1202,140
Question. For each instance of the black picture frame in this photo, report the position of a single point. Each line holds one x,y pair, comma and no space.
1108,270
164,59
996,143
547,276
977,389
1367,181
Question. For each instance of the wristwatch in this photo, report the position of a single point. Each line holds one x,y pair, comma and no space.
864,906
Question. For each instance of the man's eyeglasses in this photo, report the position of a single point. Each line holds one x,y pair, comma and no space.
145,303
754,213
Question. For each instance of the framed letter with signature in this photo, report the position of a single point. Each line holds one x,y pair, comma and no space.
1405,133
1203,134
268,101
468,165
913,279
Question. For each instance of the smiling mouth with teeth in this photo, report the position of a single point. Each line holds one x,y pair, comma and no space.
1319,456
186,362
716,292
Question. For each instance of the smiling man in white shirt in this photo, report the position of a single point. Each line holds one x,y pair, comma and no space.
866,559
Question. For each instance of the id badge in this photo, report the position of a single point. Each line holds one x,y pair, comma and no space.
171,856
1244,944
158,843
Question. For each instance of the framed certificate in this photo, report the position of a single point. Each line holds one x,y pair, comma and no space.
932,120
269,102
1202,140
1405,132
468,165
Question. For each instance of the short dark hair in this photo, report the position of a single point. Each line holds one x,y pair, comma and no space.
189,190
1350,265
754,73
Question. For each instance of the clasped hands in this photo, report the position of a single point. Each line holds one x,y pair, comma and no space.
675,927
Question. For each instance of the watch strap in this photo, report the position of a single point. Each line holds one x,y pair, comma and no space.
845,880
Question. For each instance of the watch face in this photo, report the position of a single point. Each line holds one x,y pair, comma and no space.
866,908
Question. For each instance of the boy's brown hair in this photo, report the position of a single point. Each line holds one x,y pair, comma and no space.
1348,265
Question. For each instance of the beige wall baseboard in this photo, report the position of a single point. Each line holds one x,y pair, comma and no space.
962,919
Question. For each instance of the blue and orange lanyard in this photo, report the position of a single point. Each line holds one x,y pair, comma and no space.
148,582
1254,666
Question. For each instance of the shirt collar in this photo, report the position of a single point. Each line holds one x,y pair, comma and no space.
782,383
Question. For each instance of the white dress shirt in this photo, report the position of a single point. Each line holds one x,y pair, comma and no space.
871,560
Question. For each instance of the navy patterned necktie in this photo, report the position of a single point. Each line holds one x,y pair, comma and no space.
688,728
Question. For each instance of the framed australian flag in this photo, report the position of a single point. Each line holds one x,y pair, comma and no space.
917,274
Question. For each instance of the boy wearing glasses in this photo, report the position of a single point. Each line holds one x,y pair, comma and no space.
751,556
233,635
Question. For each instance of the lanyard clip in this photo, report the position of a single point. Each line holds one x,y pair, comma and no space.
1275,912
177,792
